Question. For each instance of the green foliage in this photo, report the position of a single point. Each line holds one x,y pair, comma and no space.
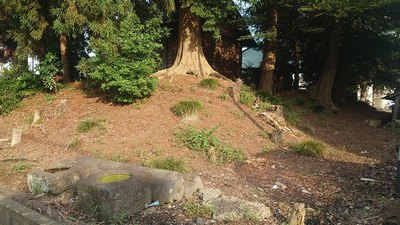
186,108
125,51
49,67
195,209
87,125
226,153
216,151
169,163
13,90
21,167
247,96
198,140
209,83
308,148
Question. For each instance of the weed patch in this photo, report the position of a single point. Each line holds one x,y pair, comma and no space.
247,96
21,167
196,209
209,83
169,163
198,140
215,151
308,148
186,108
87,125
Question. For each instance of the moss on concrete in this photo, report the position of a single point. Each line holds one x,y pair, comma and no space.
114,178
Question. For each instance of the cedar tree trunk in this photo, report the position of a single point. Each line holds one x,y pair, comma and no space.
64,57
323,91
268,65
190,57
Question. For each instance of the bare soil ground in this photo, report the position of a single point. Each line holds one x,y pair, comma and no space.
331,187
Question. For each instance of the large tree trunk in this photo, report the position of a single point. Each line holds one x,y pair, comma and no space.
190,57
268,65
323,91
64,57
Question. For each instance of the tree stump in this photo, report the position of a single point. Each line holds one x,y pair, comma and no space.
36,117
298,214
276,136
16,136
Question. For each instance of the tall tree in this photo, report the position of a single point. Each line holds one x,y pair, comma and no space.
194,15
335,13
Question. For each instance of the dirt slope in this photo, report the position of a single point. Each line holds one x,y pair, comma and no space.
134,133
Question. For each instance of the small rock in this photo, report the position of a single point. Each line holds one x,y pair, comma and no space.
208,194
283,186
273,167
275,186
229,208
305,191
200,220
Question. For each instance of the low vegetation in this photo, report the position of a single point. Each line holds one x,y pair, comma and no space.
198,140
13,90
309,148
196,209
169,163
205,141
186,108
87,125
21,167
209,83
247,96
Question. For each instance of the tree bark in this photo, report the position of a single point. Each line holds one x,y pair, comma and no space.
269,59
190,57
323,91
364,91
64,57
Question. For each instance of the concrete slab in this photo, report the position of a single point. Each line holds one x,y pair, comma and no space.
14,213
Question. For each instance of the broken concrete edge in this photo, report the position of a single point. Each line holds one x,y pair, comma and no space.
14,213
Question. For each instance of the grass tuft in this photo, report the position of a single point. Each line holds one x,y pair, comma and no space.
87,125
186,108
169,163
196,209
309,148
209,83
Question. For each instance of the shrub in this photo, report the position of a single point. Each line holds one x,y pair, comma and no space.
14,88
87,125
309,148
169,163
209,83
186,108
49,67
125,55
